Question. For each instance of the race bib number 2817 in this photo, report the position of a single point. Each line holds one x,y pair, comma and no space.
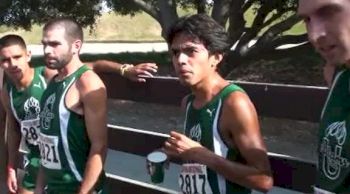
194,180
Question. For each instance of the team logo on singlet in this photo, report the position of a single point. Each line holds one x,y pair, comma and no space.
331,150
31,108
196,133
210,112
47,113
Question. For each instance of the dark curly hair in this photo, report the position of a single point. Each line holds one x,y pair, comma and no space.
204,29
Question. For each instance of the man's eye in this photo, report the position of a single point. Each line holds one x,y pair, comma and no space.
328,11
174,52
189,50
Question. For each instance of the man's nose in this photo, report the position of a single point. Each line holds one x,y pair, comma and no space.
12,62
316,30
182,58
47,50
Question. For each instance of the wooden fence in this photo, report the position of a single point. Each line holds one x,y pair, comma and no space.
271,100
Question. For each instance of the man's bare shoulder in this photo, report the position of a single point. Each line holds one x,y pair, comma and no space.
237,100
239,113
89,81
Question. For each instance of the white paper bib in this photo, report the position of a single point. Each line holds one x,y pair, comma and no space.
49,152
194,179
30,130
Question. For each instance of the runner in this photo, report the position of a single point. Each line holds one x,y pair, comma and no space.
21,97
221,146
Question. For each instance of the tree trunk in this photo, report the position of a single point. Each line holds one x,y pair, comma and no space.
167,15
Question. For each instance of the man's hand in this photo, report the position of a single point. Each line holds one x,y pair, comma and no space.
141,71
179,145
12,180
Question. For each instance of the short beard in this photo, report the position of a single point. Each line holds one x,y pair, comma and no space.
61,63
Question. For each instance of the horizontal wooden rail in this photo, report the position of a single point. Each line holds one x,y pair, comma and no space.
288,172
121,185
272,100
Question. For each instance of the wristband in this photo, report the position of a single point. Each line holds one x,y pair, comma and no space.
124,68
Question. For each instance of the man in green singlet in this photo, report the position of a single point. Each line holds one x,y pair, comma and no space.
328,28
222,147
21,97
73,133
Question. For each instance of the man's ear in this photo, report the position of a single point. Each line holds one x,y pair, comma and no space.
76,46
216,59
29,56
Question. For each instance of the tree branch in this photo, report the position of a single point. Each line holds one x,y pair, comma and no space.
273,18
221,10
167,14
237,22
278,28
288,39
201,6
148,8
256,25
248,4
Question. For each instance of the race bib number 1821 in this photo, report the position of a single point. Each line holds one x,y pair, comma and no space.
49,152
194,180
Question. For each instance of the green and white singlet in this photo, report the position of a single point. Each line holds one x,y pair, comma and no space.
64,143
202,125
334,142
25,105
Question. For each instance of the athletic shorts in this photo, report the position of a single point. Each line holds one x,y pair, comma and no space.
31,170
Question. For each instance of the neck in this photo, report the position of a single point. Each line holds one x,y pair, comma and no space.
26,80
207,89
68,69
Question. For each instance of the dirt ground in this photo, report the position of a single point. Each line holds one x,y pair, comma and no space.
295,138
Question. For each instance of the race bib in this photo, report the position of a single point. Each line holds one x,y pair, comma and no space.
194,179
321,191
30,130
30,134
49,152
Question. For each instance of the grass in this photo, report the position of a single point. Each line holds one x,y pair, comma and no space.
109,27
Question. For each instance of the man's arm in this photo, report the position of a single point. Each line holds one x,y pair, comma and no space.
135,73
94,99
13,141
239,121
